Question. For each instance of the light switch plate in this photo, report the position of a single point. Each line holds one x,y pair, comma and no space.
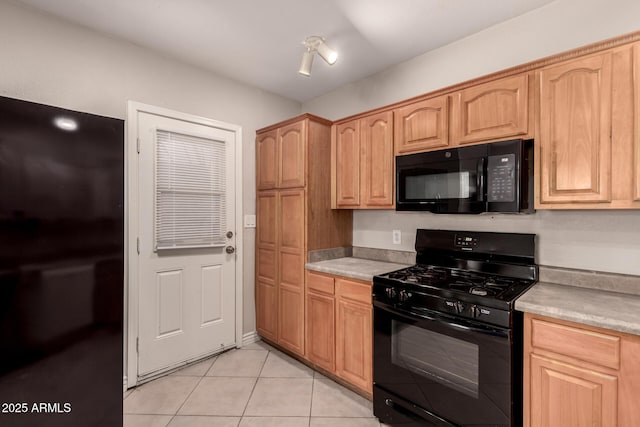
249,221
397,237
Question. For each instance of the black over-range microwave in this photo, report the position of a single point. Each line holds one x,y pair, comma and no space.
494,177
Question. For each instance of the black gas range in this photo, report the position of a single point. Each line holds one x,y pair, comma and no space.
446,335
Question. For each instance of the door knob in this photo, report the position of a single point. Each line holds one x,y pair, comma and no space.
230,249
229,234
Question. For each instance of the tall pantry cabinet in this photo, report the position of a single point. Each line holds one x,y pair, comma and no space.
294,216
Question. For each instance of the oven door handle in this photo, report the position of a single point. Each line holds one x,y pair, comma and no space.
411,411
434,317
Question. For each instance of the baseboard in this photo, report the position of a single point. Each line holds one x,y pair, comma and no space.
250,338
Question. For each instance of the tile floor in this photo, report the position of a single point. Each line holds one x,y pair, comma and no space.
256,386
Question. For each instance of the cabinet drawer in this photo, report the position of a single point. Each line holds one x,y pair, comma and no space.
356,291
320,283
583,344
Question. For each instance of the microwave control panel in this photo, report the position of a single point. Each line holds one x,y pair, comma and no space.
501,178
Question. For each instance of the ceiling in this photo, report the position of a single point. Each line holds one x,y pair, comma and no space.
259,42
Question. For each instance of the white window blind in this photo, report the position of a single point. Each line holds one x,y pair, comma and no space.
190,203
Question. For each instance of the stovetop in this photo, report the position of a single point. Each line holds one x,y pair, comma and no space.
468,274
475,284
477,296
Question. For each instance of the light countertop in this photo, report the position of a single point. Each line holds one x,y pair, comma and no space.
355,268
596,307
603,300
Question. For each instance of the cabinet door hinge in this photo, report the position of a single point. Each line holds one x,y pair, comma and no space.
138,245
138,145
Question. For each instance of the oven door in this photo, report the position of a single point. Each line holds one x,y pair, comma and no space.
446,372
433,182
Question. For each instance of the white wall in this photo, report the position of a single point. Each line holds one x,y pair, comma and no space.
589,240
46,60
605,241
554,28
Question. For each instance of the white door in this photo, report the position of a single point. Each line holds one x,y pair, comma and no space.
186,289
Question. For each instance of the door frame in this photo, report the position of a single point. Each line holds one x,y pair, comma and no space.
131,208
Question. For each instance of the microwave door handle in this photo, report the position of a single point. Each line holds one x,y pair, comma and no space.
480,179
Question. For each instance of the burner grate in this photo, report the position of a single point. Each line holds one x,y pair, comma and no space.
457,280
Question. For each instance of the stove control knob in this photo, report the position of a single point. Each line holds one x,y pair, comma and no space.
404,295
458,306
391,293
475,311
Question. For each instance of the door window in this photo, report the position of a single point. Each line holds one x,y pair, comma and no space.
190,203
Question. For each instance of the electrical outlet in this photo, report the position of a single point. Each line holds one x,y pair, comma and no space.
397,237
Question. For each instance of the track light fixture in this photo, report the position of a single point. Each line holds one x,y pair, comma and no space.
316,44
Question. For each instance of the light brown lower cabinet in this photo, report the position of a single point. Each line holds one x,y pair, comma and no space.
354,333
339,328
320,321
578,375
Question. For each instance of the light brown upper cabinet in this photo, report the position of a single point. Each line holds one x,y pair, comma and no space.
281,157
292,219
587,145
376,160
422,126
292,154
345,146
574,144
362,163
267,160
581,108
491,111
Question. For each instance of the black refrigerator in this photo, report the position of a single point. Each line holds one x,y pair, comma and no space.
61,267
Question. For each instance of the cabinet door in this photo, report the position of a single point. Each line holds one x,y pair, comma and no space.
292,155
566,395
291,256
422,126
267,220
346,150
267,310
376,161
354,330
320,330
491,111
266,265
574,146
267,160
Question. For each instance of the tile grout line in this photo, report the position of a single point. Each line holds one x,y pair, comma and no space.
194,389
313,384
254,387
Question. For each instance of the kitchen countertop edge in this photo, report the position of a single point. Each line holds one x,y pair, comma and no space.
355,268
594,307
